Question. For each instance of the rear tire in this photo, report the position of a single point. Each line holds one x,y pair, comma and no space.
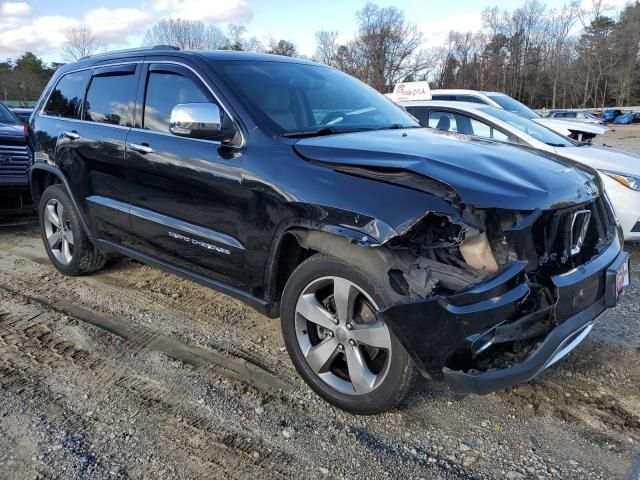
356,364
67,245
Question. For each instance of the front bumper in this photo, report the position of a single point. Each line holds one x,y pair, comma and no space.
437,332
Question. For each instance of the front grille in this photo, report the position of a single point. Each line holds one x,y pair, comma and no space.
14,160
560,240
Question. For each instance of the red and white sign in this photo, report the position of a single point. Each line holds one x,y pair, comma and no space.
411,91
622,278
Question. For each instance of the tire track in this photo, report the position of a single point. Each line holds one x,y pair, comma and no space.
40,347
138,338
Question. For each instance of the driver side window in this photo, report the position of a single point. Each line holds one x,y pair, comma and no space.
165,90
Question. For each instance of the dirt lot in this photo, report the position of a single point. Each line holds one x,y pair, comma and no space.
134,373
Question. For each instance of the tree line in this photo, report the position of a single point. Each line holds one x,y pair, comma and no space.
564,57
570,56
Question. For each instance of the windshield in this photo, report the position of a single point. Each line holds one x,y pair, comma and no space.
7,117
298,98
512,105
529,127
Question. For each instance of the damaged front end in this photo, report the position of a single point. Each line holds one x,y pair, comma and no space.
495,296
522,257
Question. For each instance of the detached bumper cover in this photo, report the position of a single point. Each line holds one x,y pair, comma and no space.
433,330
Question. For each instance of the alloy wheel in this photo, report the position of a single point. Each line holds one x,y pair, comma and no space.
58,231
340,337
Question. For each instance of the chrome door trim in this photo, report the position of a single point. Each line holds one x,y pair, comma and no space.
167,221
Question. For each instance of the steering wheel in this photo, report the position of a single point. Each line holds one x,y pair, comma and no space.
332,116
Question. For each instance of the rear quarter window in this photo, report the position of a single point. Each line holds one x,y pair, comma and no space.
66,97
110,99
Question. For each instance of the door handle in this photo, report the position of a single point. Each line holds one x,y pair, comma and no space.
140,148
71,135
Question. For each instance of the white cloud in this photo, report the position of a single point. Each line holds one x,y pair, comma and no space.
46,34
39,35
436,31
607,5
14,9
114,25
230,11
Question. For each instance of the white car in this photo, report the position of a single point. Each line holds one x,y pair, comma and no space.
619,170
580,131
577,116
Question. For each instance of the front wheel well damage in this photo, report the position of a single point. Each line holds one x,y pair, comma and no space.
407,273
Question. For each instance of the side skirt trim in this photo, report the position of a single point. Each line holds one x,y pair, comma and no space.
269,309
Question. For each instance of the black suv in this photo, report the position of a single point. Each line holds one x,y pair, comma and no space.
15,159
387,249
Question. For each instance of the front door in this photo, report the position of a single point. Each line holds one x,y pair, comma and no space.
186,193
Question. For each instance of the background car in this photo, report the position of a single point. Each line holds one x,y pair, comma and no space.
22,113
627,118
620,171
578,116
580,131
610,115
15,159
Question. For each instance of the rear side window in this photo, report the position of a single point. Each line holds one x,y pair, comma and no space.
470,98
448,98
65,99
110,99
165,90
479,129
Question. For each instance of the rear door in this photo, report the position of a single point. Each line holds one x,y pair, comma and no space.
187,200
94,149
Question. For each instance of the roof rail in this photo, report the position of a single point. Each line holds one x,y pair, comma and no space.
132,50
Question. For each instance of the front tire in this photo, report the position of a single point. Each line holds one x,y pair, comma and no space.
337,343
65,241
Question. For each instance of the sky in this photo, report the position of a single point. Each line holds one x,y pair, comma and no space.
39,26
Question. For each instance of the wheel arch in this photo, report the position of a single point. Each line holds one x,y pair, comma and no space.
299,241
41,177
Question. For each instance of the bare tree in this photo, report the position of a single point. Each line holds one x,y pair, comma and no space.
560,25
387,41
326,47
79,43
282,47
186,34
237,40
384,52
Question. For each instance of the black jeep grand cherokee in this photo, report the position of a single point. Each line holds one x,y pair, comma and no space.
386,249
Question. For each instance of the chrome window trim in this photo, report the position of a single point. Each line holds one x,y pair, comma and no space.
168,62
75,120
44,104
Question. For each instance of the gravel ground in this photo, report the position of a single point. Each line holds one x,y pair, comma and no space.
134,373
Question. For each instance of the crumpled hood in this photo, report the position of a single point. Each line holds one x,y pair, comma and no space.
483,173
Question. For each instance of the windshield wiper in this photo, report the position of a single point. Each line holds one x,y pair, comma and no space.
312,133
556,144
333,130
398,126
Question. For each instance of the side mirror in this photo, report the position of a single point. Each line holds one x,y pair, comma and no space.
199,120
